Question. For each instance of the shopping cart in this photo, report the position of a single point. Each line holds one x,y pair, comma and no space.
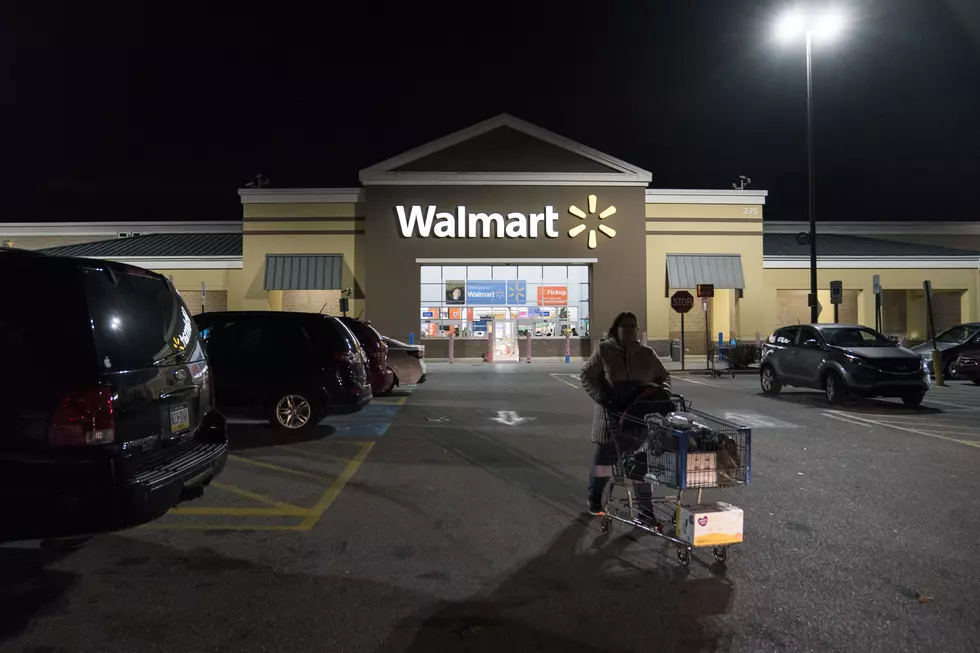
662,442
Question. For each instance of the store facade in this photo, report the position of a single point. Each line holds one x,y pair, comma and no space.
509,229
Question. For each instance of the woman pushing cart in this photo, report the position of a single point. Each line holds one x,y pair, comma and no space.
647,437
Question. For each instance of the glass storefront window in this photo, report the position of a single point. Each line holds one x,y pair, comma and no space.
547,300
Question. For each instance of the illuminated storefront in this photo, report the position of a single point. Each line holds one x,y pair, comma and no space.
507,227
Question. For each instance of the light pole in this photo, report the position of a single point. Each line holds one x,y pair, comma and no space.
826,25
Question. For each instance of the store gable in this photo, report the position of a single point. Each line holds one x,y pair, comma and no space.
504,151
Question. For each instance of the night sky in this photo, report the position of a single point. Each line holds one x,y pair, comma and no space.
163,115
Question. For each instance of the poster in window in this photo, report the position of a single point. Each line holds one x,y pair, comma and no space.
456,292
455,313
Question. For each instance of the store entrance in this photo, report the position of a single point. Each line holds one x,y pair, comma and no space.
505,340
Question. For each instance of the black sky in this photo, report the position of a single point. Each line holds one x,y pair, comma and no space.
161,114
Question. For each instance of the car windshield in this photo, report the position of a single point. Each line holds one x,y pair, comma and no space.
856,337
957,334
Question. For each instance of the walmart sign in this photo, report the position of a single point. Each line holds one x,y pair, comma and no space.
416,221
496,293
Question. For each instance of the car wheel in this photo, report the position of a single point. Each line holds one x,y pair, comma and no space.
770,384
914,401
394,382
293,412
950,373
834,388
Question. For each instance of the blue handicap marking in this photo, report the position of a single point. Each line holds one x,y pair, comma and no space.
361,430
372,422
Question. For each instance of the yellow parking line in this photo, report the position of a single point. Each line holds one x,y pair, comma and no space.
392,401
313,454
279,468
234,511
261,498
334,490
221,527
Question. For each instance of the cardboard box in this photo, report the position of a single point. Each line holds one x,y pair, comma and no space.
712,525
702,469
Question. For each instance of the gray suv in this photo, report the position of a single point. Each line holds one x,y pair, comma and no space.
842,361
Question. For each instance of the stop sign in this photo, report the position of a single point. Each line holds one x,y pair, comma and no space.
682,301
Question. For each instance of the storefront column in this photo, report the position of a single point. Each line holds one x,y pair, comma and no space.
968,307
866,307
915,313
722,319
275,300
826,308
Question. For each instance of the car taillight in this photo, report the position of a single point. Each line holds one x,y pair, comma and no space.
84,417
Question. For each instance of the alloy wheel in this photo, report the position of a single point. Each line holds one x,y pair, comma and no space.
293,412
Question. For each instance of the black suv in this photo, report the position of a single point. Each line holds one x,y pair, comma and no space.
295,368
842,361
107,418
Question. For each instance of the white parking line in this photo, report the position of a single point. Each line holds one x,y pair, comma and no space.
688,380
948,403
850,418
556,377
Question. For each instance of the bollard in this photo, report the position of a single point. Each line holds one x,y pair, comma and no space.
568,347
491,338
411,338
452,346
528,345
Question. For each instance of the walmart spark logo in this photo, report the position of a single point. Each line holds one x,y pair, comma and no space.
582,215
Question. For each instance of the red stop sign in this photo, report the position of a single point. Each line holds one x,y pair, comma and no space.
682,301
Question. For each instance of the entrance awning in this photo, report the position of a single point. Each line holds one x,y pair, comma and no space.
304,271
686,271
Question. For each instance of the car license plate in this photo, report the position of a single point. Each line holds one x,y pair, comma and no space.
180,419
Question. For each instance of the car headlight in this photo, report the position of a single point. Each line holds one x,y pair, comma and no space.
860,362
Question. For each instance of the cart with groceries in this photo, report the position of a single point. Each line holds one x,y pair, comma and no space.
663,443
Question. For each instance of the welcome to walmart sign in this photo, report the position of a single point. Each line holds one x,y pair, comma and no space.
496,292
414,221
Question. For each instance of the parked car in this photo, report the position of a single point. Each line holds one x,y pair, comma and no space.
842,361
951,343
406,361
968,365
107,420
292,368
376,350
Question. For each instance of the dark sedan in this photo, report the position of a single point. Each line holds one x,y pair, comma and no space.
951,343
842,361
968,366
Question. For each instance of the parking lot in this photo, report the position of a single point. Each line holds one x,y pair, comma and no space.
450,518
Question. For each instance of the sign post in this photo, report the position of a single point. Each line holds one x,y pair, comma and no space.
876,286
705,291
204,293
682,301
836,298
937,359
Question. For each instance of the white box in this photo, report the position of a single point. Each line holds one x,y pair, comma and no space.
713,525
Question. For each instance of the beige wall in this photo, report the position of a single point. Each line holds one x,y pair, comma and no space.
246,286
952,287
44,242
706,229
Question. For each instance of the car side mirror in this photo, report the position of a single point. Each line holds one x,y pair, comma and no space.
893,338
812,343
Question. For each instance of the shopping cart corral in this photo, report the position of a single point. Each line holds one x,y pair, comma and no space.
664,443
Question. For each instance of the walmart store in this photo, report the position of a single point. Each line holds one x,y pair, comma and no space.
505,226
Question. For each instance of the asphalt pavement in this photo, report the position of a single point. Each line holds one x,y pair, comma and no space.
451,519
